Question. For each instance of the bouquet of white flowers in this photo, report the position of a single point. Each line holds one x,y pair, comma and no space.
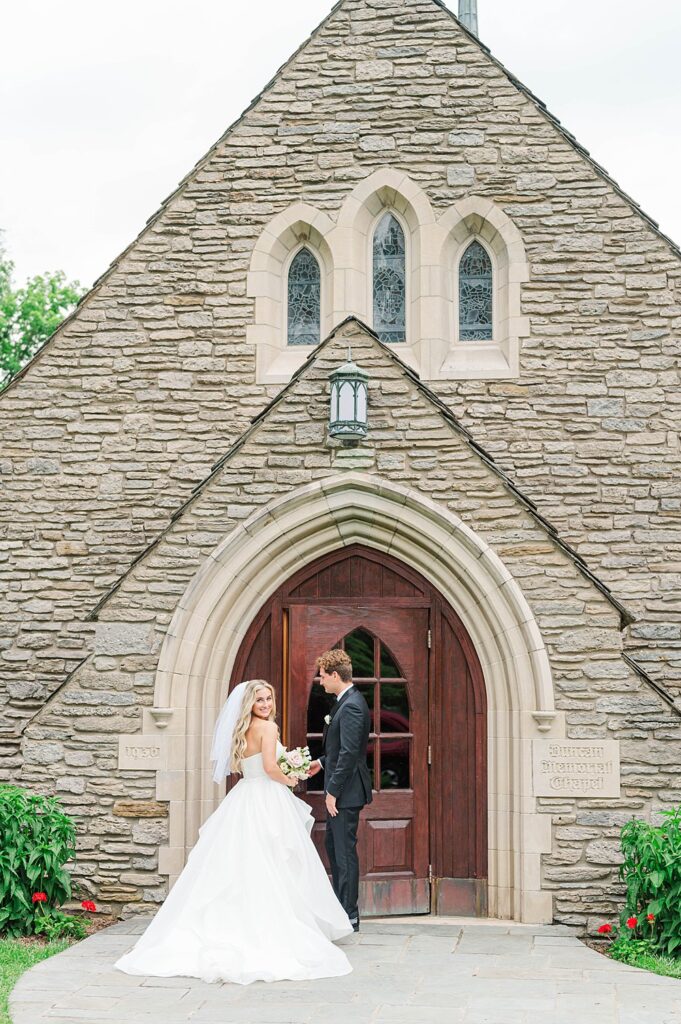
295,763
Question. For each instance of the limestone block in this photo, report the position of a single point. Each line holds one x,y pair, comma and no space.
42,752
377,143
70,784
584,768
79,758
142,753
461,174
466,137
535,181
603,851
150,832
140,809
71,547
42,466
366,70
122,638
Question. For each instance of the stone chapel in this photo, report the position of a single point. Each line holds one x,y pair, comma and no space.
495,539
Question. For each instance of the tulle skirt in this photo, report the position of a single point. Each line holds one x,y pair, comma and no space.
253,902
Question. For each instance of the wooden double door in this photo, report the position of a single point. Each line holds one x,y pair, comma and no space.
423,839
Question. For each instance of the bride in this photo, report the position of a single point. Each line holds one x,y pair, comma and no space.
253,902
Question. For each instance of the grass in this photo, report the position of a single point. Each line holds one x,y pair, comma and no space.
16,956
668,966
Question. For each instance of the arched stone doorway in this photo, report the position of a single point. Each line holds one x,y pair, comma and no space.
423,839
233,584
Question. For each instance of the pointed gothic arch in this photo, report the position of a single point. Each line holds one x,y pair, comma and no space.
478,218
299,226
237,579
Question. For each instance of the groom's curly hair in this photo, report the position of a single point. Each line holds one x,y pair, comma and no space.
336,661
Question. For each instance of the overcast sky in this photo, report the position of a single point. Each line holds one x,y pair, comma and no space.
105,107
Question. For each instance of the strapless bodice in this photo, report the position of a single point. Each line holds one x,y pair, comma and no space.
253,768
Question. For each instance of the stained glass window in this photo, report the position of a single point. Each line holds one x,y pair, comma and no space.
304,300
475,294
389,280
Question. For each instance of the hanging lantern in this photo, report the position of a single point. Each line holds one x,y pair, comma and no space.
349,395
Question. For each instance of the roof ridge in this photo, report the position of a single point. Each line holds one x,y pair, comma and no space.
543,109
555,121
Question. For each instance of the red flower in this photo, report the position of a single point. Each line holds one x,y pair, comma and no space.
632,922
605,929
651,917
39,897
88,905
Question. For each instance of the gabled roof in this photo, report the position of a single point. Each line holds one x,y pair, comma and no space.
541,106
626,617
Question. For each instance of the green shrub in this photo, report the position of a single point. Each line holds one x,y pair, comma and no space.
36,839
652,873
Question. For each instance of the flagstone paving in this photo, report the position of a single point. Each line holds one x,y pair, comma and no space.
414,971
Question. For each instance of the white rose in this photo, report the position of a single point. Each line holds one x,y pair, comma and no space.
327,719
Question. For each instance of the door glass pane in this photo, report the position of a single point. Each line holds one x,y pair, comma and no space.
367,691
360,646
316,783
370,762
319,705
389,669
394,708
395,763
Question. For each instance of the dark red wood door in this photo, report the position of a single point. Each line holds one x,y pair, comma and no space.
428,752
389,650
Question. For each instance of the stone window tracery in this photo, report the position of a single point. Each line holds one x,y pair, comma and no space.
389,280
475,295
304,300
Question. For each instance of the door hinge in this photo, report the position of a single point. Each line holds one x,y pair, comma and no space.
430,754
430,873
430,639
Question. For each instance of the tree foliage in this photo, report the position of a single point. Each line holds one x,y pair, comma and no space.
29,315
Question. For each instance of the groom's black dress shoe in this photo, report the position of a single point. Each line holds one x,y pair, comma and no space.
355,926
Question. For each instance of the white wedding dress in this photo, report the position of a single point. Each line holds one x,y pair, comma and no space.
253,902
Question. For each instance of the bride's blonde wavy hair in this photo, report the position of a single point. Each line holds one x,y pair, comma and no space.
241,728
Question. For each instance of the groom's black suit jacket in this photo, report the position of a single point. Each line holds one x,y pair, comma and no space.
344,744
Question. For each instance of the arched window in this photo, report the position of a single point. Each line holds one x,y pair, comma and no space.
475,295
389,280
304,300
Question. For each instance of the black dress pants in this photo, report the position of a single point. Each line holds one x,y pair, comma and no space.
341,846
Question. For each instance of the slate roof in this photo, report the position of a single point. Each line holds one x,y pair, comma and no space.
570,138
626,617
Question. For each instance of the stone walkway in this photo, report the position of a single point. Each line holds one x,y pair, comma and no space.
405,972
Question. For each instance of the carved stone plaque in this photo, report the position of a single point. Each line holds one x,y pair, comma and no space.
141,752
583,768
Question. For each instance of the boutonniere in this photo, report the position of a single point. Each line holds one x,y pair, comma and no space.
327,719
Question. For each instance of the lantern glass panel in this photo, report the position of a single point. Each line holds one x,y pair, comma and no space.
361,403
346,410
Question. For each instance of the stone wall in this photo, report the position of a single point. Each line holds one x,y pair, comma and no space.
109,430
71,746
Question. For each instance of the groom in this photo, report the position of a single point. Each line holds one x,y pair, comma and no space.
347,779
